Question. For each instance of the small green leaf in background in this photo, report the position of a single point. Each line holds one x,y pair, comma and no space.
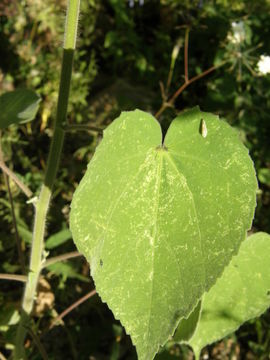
187,327
8,317
18,107
264,176
158,222
242,293
166,355
25,234
58,239
66,270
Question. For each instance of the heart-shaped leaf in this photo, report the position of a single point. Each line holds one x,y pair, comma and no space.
242,293
17,107
158,222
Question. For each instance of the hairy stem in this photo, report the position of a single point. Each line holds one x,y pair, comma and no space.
43,201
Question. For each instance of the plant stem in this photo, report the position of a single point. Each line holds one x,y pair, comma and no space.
38,343
174,56
171,101
72,307
14,277
186,53
43,201
20,248
59,258
17,181
2,357
84,127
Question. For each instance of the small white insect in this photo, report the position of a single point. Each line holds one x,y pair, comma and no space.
203,128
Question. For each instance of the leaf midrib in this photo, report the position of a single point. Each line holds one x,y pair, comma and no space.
154,234
180,175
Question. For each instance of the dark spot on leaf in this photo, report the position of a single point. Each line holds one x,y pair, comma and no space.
268,293
101,262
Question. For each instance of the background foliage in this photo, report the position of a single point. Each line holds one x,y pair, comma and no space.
124,52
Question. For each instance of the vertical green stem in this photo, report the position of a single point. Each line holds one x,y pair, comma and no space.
42,204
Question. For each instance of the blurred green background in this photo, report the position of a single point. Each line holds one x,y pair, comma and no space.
125,52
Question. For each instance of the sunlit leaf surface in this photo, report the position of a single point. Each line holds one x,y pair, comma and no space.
158,222
242,293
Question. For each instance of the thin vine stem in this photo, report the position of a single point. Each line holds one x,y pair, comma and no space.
43,201
84,127
171,101
72,307
17,181
38,344
174,56
186,53
63,257
166,103
14,277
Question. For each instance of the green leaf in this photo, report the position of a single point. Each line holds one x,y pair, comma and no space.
159,222
17,107
66,270
264,176
8,317
242,293
166,355
58,239
187,327
25,234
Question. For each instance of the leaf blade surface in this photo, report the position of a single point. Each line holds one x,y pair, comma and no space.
18,107
135,219
242,293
